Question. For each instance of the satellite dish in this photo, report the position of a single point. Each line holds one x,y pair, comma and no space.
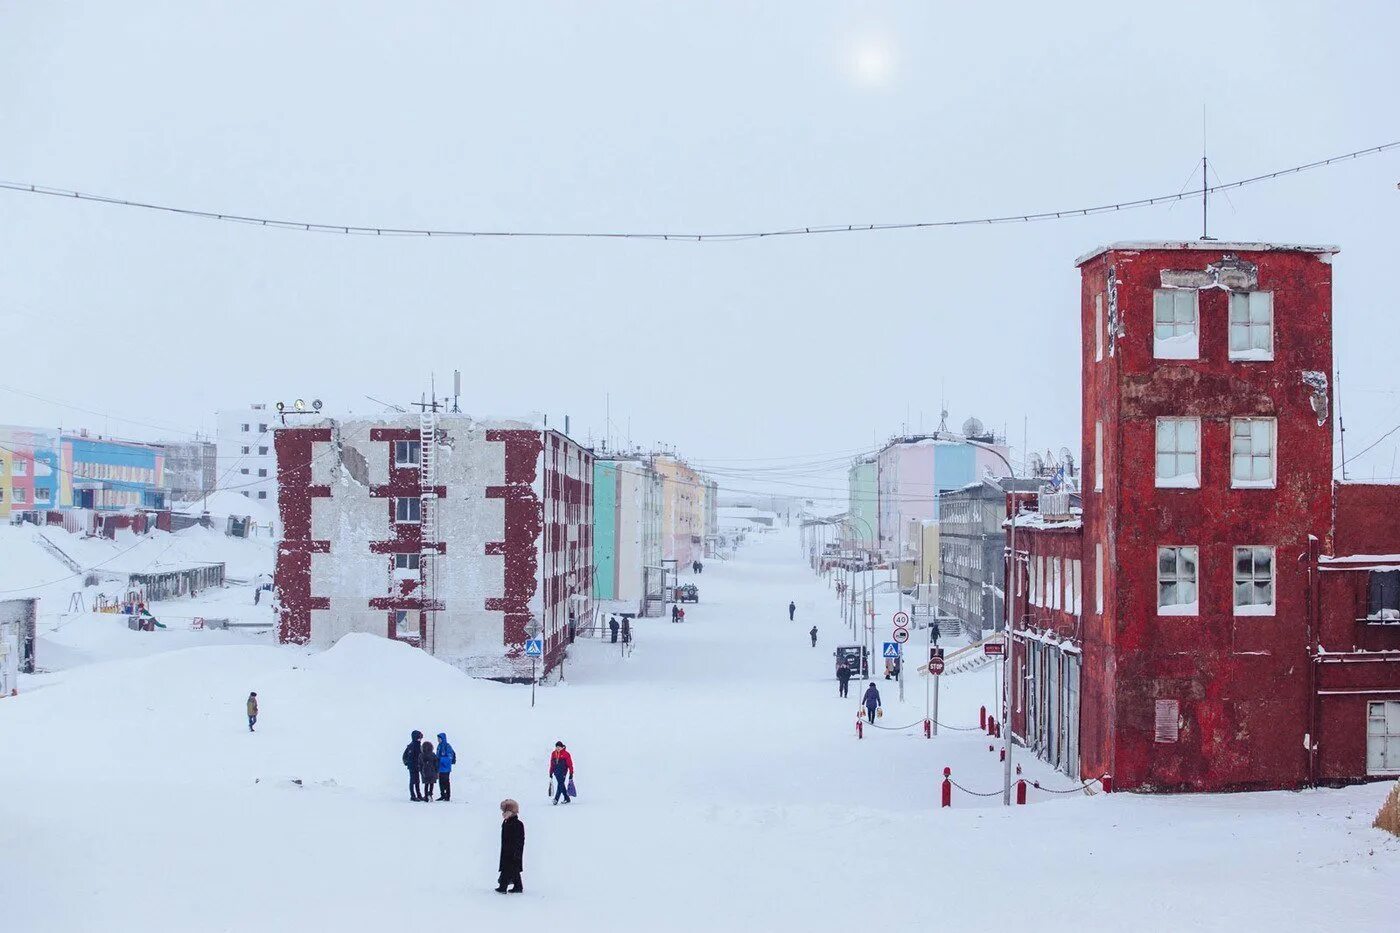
300,405
316,404
1037,464
280,406
972,427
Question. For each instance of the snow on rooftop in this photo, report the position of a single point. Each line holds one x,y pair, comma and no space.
1038,520
1214,246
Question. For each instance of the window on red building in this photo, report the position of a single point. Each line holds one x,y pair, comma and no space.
1252,461
1179,453
1176,581
1384,603
1175,320
406,453
1254,581
407,509
1251,325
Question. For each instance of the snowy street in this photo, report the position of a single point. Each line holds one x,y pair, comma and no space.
721,787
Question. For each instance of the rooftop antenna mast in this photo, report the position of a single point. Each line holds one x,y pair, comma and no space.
1205,181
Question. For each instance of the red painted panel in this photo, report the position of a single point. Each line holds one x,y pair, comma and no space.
295,493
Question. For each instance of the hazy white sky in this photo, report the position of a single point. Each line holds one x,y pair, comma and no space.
659,116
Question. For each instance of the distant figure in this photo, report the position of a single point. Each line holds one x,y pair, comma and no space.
813,633
612,625
792,611
411,756
428,765
843,677
675,613
626,630
871,701
447,757
252,710
934,632
700,567
561,768
680,614
512,849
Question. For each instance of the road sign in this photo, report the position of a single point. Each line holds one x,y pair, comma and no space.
901,635
891,649
901,619
935,665
994,647
534,648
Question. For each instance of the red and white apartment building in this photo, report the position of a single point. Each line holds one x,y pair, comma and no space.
1219,614
460,536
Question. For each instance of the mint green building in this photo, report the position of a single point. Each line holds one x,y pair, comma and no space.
864,507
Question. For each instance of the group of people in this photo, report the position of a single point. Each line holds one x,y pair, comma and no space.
429,767
677,613
625,626
697,567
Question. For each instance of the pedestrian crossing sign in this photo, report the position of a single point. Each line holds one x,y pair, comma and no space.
891,649
534,648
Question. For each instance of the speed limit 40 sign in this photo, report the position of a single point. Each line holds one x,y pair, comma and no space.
901,619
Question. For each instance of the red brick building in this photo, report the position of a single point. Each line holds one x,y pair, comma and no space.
1207,620
459,536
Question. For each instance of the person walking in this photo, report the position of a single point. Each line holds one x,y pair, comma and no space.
843,677
561,768
612,626
934,631
813,633
871,701
626,630
792,611
428,765
252,710
411,758
447,757
675,613
512,849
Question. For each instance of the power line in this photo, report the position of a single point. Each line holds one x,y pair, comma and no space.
394,230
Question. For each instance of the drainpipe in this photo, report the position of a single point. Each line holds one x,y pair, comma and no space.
1314,605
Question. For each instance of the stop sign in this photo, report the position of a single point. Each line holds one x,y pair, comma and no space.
935,665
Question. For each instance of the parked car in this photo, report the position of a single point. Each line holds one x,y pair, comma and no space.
687,593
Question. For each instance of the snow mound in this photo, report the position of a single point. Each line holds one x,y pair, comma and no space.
384,664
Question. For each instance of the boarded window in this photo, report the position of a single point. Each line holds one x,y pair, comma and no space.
1167,726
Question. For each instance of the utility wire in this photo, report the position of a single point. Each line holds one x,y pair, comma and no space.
393,230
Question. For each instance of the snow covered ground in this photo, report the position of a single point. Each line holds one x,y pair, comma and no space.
722,788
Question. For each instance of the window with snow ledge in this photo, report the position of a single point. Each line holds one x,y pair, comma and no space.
1178,453
1251,326
1252,448
1254,581
1176,582
1384,602
407,510
1175,318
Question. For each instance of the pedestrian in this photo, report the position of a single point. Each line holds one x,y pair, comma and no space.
561,768
411,756
871,701
447,757
626,630
700,567
612,625
680,614
792,611
252,710
843,677
675,613
813,633
512,849
934,632
428,765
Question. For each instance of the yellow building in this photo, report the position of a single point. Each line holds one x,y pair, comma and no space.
682,509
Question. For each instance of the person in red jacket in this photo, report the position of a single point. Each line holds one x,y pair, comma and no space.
561,768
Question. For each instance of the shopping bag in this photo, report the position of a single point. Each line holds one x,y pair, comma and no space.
551,789
879,713
570,788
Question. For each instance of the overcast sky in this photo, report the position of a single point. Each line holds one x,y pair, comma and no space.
659,116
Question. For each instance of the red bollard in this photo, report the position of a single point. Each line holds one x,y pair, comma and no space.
982,718
928,729
1021,792
860,728
947,787
1107,782
991,725
1003,753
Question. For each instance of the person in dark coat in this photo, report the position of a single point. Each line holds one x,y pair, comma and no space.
675,613
512,849
411,756
813,633
871,701
933,631
843,677
447,757
428,765
626,630
612,626
792,611
252,710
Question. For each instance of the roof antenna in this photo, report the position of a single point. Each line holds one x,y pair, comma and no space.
1205,181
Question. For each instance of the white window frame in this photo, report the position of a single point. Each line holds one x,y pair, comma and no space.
1378,727
17,495
1191,607
19,468
1056,583
1076,584
408,453
243,427
1235,452
1098,456
406,562
1177,480
262,494
1098,327
245,450
402,510
1170,332
1251,312
1252,578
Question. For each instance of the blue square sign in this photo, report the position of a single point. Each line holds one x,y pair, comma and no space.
534,648
891,649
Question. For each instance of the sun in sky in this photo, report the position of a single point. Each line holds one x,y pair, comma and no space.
871,60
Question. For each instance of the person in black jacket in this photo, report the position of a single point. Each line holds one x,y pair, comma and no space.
428,765
512,849
612,626
813,633
411,756
792,611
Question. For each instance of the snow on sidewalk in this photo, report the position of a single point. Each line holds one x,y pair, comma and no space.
722,787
